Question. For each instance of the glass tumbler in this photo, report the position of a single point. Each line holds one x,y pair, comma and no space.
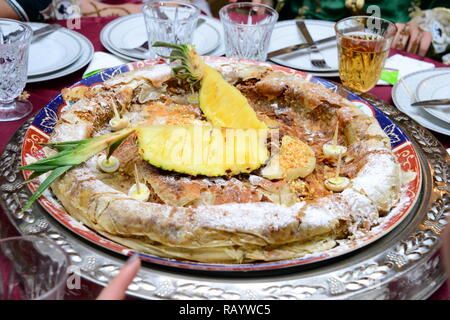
363,45
169,21
32,268
15,40
248,27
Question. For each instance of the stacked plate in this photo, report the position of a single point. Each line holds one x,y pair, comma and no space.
208,37
57,54
425,85
286,33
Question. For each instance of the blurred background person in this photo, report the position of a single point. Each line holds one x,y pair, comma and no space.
37,10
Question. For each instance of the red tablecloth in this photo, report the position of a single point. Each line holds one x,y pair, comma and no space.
41,93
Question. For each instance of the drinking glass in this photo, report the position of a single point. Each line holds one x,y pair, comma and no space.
248,27
169,21
363,45
32,268
15,40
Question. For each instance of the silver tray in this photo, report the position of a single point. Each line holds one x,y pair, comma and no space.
404,264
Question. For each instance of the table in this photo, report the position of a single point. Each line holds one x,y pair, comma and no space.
41,93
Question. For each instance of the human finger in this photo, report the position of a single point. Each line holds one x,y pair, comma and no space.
397,42
414,38
425,42
118,286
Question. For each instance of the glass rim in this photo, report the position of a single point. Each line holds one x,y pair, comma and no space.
151,4
390,23
58,248
28,31
248,4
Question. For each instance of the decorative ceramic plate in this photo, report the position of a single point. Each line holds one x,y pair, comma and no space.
403,149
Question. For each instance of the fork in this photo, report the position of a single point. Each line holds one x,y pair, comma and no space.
315,56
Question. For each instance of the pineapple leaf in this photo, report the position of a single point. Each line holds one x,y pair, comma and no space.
191,63
61,146
45,184
71,153
33,176
114,146
38,168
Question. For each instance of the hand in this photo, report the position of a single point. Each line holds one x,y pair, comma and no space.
116,289
410,37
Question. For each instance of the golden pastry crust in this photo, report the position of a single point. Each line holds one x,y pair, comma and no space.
224,220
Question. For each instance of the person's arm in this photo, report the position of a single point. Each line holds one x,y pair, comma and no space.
97,9
31,9
25,10
6,11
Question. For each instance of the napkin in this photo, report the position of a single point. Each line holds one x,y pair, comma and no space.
101,61
405,66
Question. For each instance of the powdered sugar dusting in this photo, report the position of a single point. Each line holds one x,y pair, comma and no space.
379,179
377,186
251,217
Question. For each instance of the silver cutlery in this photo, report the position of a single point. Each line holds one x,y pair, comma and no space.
298,47
143,48
316,57
435,102
424,103
37,34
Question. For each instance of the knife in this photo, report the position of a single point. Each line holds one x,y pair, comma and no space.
44,31
436,102
298,47
36,33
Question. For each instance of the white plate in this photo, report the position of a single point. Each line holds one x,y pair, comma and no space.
402,99
52,52
334,74
87,52
117,33
286,34
219,51
436,87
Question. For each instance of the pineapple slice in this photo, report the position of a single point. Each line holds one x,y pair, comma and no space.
295,160
222,104
203,150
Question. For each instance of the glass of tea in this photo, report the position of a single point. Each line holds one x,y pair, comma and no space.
363,45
